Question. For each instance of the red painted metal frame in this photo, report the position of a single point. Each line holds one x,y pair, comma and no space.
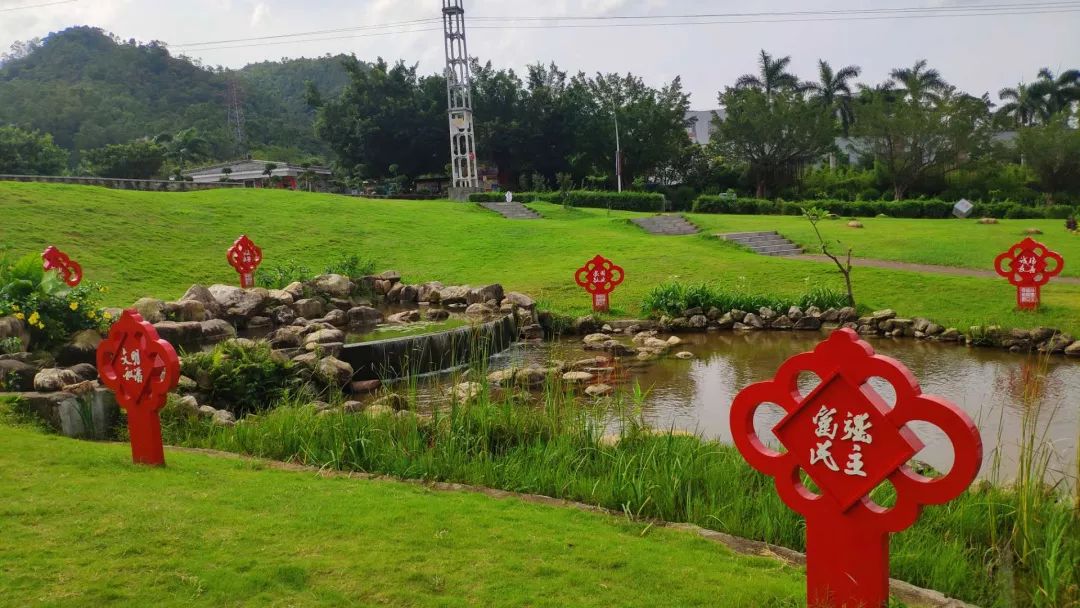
1025,266
69,270
847,534
141,369
245,257
600,276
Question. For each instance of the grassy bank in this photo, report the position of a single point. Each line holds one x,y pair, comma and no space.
158,244
83,527
991,546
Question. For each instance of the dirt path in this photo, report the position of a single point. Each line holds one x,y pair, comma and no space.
928,268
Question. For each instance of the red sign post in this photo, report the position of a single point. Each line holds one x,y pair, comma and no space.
68,269
245,257
848,440
1025,266
600,276
141,369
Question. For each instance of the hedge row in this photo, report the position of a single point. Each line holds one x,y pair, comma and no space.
621,201
500,197
929,209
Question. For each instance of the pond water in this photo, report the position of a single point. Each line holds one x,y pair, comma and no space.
996,388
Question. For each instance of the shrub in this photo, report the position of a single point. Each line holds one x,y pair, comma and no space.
242,379
673,298
280,275
911,208
621,201
352,266
500,197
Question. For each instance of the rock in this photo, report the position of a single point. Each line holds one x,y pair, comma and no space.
295,289
674,341
1072,351
325,336
81,349
742,327
308,359
795,313
578,377
17,375
532,377
480,310
283,315
599,390
883,315
410,294
699,322
382,287
152,310
362,387
201,294
392,276
596,339
684,355
456,295
989,221
782,323
332,286
951,335
379,410
766,314
1032,232
364,315
217,330
188,405
334,371
67,414
492,292
693,312
286,337
1056,345
188,310
618,349
224,418
280,297
259,323
656,345
808,324
847,314
10,327
532,332
813,311
585,325
438,314
352,407
933,329
85,371
183,336
429,292
503,377
403,318
239,304
54,379
726,321
186,385
394,401
855,225
520,300
310,308
753,321
466,391
394,293
337,318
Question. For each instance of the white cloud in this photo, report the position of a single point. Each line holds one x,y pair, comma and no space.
258,14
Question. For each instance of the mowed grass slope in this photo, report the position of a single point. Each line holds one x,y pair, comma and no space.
157,244
82,526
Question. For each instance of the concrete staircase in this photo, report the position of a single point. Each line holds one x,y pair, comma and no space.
512,211
764,243
666,225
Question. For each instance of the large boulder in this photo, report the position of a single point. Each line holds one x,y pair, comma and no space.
332,286
365,315
325,336
410,294
201,294
280,297
402,318
337,318
10,327
283,315
217,330
456,295
54,379
394,293
492,292
239,304
429,292
1073,350
81,349
187,310
437,314
152,310
481,311
286,337
520,300
295,289
187,335
17,375
310,308
334,371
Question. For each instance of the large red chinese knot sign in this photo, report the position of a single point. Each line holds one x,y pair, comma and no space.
1026,266
245,257
68,269
141,369
600,277
848,441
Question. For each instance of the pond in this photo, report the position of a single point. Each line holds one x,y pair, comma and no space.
996,388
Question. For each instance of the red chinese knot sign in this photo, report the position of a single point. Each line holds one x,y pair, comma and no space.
848,440
141,369
600,276
68,269
245,257
1026,266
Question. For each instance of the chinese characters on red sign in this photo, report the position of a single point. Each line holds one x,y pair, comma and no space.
849,441
141,369
1028,266
245,257
600,276
68,269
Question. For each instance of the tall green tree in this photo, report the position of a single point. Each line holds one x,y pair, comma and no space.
1023,105
1052,152
772,76
1060,91
25,152
774,137
184,147
140,159
920,83
833,92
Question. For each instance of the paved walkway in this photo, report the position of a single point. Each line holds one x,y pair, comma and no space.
927,268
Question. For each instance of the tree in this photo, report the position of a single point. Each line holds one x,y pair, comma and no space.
1052,152
771,77
227,173
184,147
814,215
911,140
140,159
833,92
774,137
1024,104
1059,92
30,153
920,83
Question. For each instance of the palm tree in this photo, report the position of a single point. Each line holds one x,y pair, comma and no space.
833,91
1025,104
1061,91
187,145
268,171
773,76
920,84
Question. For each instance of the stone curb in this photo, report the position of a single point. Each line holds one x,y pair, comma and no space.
906,592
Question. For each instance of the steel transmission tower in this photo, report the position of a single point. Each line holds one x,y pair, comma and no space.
459,96
235,102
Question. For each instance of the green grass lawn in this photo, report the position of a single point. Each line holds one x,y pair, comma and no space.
82,526
158,244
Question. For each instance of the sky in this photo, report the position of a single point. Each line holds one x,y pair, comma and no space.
977,53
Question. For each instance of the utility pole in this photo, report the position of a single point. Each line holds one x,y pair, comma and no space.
465,179
235,102
618,147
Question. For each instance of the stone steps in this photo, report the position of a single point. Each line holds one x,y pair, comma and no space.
512,211
764,243
666,225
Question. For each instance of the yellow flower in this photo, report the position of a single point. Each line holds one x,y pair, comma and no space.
91,315
107,316
20,316
41,326
14,307
34,318
74,306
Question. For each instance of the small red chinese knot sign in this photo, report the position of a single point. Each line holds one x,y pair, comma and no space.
848,440
141,369
600,277
245,257
1025,266
68,269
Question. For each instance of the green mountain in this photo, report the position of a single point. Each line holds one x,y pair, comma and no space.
88,88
